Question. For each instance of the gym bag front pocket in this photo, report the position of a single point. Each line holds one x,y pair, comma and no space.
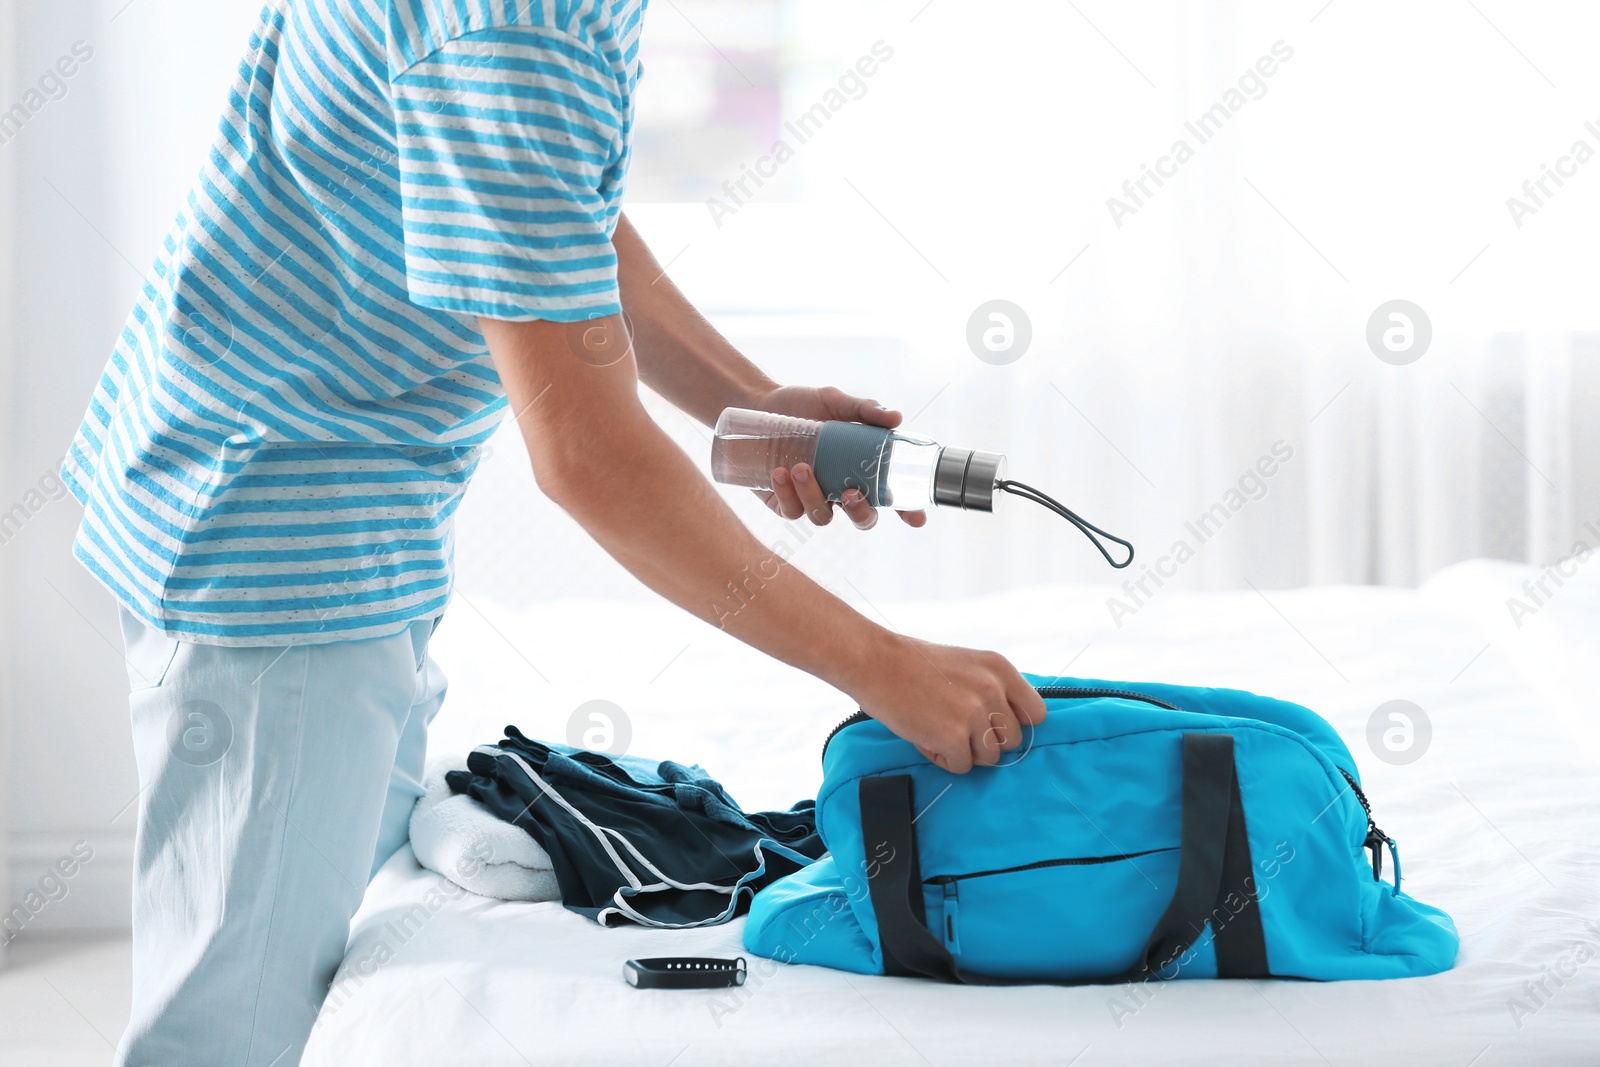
1075,917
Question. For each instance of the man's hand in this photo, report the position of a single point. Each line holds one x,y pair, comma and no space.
795,491
960,707
694,367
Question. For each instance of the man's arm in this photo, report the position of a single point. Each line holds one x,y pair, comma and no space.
680,355
683,358
598,455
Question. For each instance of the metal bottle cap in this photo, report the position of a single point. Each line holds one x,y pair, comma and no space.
965,478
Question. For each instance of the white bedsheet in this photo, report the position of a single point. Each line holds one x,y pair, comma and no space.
1497,823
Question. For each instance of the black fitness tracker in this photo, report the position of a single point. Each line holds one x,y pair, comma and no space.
684,972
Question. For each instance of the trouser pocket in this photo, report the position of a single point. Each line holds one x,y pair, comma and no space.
148,652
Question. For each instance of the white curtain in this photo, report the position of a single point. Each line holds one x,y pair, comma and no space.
975,162
1227,313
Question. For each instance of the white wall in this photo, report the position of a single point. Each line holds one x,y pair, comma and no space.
98,175
6,354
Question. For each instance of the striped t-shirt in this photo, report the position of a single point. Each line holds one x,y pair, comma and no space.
294,407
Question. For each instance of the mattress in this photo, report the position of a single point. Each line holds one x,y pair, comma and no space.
1496,810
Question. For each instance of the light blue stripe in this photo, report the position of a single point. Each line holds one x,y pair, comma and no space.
375,598
236,580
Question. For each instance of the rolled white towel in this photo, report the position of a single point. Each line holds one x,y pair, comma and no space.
458,837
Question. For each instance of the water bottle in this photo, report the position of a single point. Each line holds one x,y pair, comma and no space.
891,468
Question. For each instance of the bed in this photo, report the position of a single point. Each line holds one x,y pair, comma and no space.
1498,821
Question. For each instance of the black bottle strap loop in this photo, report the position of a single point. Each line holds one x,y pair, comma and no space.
1089,529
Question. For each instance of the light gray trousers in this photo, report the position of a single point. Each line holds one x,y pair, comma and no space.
275,781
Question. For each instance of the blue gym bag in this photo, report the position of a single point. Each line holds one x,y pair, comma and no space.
1142,831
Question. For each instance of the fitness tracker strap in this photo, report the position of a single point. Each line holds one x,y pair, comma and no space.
684,972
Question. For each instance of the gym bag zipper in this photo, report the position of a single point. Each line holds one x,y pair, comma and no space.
1077,861
1048,692
1376,838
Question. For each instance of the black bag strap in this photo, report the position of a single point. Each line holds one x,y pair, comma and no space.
1214,872
894,882
1236,932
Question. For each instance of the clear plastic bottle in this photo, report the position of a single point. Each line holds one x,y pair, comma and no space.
750,445
891,468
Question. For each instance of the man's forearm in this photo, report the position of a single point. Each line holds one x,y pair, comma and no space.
598,455
680,355
675,534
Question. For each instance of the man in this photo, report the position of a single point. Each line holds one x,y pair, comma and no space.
409,223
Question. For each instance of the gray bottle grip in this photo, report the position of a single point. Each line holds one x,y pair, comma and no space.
851,455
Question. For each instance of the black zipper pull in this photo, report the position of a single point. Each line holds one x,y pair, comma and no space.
1376,838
